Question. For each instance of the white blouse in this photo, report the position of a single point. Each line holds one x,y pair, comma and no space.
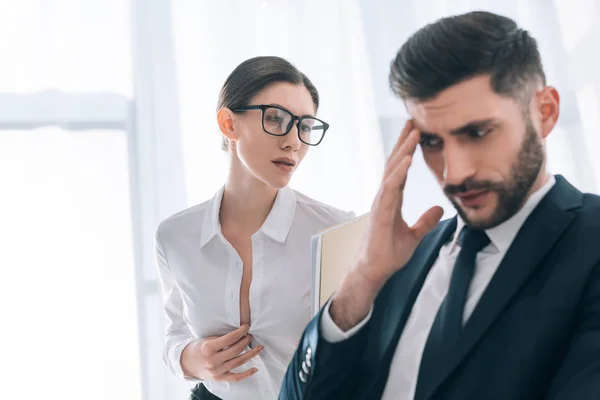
200,275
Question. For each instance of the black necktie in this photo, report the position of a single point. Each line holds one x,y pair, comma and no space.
449,319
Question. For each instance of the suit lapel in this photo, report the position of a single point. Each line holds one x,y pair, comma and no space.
535,239
394,304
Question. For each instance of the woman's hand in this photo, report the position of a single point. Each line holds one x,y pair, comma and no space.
213,358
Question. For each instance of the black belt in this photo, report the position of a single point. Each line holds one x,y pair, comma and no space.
200,392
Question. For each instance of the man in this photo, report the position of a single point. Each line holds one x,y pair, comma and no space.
501,302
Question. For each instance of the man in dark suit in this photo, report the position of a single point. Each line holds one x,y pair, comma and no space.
501,302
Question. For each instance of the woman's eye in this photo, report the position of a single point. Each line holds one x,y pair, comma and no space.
274,118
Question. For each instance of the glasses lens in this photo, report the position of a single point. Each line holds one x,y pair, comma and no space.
311,130
276,121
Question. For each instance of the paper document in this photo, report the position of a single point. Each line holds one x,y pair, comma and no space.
332,253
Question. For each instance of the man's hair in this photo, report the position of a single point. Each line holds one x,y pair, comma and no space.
457,48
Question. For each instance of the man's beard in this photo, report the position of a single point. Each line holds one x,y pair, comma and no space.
512,192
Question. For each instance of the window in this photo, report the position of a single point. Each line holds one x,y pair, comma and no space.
67,295
68,289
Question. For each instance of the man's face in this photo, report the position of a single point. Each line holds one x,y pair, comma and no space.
486,150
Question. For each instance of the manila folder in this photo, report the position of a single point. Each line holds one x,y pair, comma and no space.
333,251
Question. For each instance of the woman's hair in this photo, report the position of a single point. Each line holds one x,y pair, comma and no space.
254,75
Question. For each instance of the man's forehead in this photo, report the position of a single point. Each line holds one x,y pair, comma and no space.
472,98
440,119
443,117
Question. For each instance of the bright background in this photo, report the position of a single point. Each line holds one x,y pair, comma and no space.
107,126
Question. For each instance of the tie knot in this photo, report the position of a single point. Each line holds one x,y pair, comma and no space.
473,240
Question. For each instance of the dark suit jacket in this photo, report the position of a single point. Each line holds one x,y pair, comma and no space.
535,333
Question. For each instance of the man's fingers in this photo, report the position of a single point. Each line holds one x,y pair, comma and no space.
408,148
427,222
401,174
408,127
219,344
389,199
236,377
240,360
396,181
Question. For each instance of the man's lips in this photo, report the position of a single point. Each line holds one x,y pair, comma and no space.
472,198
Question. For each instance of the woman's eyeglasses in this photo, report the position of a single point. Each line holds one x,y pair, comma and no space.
278,121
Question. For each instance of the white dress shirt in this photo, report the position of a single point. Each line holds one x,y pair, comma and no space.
404,368
200,275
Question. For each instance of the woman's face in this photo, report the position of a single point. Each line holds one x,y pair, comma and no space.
270,159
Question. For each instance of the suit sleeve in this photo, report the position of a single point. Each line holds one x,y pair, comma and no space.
324,370
579,375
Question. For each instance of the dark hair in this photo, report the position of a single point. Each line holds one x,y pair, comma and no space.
253,75
460,47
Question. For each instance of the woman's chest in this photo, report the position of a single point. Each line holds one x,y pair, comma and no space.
209,283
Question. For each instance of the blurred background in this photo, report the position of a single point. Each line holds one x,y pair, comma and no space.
107,126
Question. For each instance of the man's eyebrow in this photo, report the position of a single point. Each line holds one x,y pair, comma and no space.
466,128
473,125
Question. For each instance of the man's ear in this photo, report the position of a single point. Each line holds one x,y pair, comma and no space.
548,109
225,121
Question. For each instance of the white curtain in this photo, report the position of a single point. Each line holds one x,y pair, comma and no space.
69,320
325,40
568,34
71,45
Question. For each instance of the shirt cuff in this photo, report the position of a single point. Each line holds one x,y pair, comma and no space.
332,333
175,361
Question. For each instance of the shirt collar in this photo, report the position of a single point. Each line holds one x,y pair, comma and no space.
279,221
276,226
502,236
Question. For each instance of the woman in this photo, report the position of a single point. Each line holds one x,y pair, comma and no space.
235,270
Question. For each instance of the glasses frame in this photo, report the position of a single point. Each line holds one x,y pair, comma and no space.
295,118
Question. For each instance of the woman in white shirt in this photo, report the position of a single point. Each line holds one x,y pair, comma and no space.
235,270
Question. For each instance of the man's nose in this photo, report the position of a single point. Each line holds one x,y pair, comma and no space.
459,165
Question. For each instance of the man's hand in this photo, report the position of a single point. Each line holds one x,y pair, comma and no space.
214,357
388,243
